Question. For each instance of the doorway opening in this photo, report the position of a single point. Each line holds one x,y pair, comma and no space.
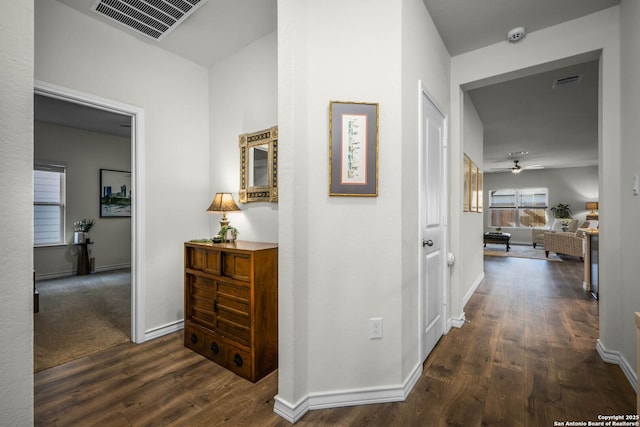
135,121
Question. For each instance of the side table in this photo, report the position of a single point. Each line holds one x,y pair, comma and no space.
84,266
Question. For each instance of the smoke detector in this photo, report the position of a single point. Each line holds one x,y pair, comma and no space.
516,34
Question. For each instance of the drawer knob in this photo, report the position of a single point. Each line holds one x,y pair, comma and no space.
194,338
237,359
214,348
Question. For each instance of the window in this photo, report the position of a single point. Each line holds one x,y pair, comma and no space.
48,205
526,207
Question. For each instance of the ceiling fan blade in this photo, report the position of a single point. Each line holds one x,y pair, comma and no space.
533,167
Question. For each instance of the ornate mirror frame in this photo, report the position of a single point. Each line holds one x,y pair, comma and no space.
269,192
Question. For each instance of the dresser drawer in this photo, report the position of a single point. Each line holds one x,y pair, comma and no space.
224,353
209,261
194,338
200,304
215,348
238,361
237,266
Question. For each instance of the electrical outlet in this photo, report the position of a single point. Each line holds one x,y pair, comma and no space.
375,328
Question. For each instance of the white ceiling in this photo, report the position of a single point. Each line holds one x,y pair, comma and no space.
52,110
216,30
466,25
559,129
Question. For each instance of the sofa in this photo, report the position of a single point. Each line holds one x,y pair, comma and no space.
537,234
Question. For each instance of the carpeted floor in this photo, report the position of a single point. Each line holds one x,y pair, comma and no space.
525,251
80,315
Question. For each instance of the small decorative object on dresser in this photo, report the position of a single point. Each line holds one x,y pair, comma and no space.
231,305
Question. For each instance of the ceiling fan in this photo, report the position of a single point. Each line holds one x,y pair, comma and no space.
516,168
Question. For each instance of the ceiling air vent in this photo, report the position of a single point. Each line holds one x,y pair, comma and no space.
152,18
567,81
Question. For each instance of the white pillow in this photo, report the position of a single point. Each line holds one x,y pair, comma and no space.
557,224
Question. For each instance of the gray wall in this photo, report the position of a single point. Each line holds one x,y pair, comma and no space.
574,186
84,154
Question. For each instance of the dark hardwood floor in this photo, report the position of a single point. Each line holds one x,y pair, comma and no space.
527,358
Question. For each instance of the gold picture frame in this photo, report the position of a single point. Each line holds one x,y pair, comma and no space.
473,179
466,174
259,166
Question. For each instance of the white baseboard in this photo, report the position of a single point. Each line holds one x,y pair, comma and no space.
616,358
473,288
164,330
458,322
337,399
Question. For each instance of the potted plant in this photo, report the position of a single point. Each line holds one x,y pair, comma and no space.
81,228
562,212
228,233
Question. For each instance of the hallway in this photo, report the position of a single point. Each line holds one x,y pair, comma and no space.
527,358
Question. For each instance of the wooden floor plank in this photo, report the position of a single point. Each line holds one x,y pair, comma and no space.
527,358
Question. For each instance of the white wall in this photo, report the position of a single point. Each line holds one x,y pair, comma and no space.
471,255
84,154
629,294
244,99
78,52
425,59
574,186
16,213
342,258
580,39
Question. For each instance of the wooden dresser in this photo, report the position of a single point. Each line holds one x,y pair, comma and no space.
231,305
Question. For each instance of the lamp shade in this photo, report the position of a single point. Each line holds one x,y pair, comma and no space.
592,206
223,202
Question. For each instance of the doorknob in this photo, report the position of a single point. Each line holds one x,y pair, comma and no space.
427,243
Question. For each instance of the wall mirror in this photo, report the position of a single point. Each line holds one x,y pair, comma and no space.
259,166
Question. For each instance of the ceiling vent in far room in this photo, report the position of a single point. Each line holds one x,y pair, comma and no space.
152,18
567,81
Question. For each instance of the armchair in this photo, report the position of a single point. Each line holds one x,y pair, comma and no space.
564,243
537,234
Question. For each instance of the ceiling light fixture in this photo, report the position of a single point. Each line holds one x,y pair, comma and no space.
516,34
516,167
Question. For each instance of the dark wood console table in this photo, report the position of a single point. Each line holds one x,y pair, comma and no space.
499,238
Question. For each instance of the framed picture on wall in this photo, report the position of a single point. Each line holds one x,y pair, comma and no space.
479,190
353,149
466,172
474,188
115,193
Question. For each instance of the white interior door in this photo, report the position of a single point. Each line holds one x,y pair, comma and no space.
432,184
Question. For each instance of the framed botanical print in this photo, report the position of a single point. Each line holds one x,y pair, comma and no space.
353,149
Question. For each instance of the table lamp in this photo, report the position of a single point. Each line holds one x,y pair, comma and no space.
223,203
593,206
